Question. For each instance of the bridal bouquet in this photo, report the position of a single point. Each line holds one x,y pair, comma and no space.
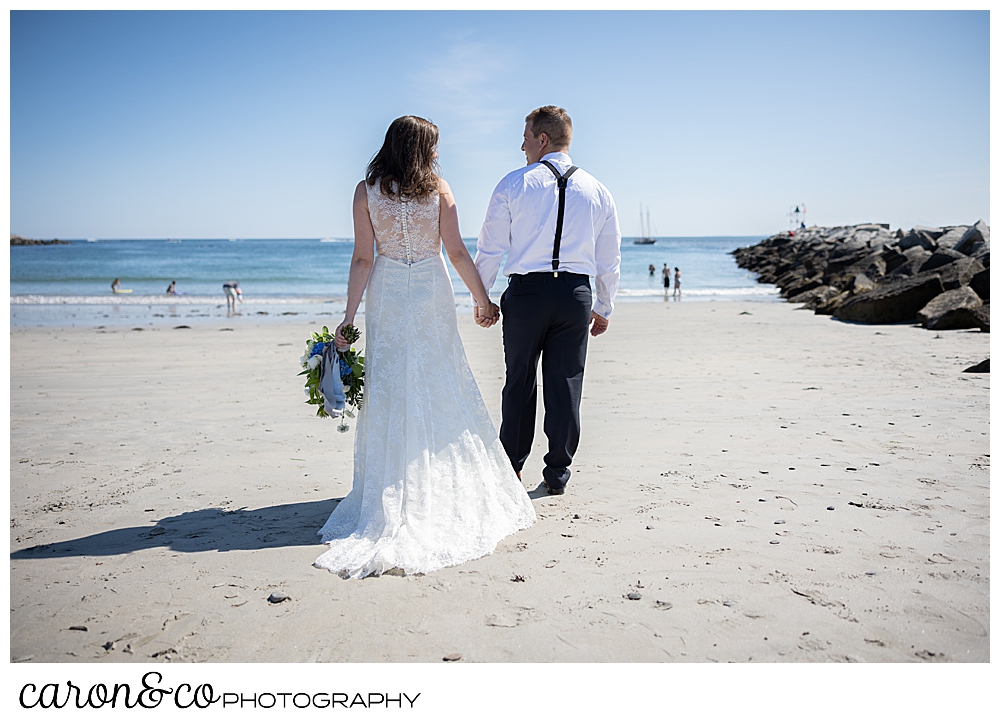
350,367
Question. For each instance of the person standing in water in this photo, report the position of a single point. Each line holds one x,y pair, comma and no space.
677,282
666,278
652,270
172,289
233,293
115,286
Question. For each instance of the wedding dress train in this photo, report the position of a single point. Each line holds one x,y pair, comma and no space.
432,484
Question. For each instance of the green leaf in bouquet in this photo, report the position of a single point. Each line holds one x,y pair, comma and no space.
350,333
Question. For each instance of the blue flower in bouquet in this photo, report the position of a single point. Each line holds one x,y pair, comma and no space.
318,348
345,370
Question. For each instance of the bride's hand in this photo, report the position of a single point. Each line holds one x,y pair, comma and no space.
488,315
339,341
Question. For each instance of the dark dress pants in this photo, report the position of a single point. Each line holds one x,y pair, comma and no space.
548,316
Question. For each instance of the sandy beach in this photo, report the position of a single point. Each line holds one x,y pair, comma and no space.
767,484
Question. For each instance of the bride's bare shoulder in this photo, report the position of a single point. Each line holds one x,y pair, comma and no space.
443,188
361,192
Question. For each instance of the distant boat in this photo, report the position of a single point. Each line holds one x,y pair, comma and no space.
92,240
173,240
644,229
328,240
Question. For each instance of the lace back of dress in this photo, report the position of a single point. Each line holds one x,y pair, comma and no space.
406,230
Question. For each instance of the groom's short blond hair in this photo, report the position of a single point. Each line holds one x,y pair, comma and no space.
554,122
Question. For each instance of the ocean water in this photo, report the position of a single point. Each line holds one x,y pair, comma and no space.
71,284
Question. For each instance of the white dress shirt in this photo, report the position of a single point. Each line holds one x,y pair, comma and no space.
521,222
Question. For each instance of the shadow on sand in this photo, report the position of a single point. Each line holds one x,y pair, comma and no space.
211,529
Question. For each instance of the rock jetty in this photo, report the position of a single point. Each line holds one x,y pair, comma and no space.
939,277
16,240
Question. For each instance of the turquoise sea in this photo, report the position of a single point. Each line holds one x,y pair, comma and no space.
71,284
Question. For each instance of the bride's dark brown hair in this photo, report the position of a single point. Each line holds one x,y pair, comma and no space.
405,165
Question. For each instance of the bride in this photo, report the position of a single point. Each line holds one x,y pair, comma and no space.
433,486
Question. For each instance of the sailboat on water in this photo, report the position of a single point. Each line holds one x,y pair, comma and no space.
645,239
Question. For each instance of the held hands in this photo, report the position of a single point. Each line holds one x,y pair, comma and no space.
486,316
598,325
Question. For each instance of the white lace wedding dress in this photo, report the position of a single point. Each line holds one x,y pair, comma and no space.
432,484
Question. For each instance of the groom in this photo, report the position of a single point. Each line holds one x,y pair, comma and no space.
558,226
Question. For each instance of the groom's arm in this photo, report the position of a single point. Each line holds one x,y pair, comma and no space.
494,237
608,256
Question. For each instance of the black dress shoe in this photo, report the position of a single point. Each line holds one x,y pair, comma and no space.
554,490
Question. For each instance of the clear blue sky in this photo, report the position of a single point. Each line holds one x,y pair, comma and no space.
259,124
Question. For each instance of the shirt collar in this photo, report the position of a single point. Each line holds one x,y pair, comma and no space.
558,156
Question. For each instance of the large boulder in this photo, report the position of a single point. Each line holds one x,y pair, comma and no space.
935,232
980,283
819,297
831,301
915,258
841,258
862,284
893,259
798,285
975,240
918,238
951,310
951,236
982,367
806,297
891,301
982,317
873,266
957,273
941,257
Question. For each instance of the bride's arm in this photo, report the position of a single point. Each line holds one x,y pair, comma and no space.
361,261
459,255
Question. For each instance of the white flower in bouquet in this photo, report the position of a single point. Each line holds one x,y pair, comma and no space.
314,361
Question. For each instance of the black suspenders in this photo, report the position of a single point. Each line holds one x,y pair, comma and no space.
561,182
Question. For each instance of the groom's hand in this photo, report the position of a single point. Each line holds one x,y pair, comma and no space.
486,316
598,324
